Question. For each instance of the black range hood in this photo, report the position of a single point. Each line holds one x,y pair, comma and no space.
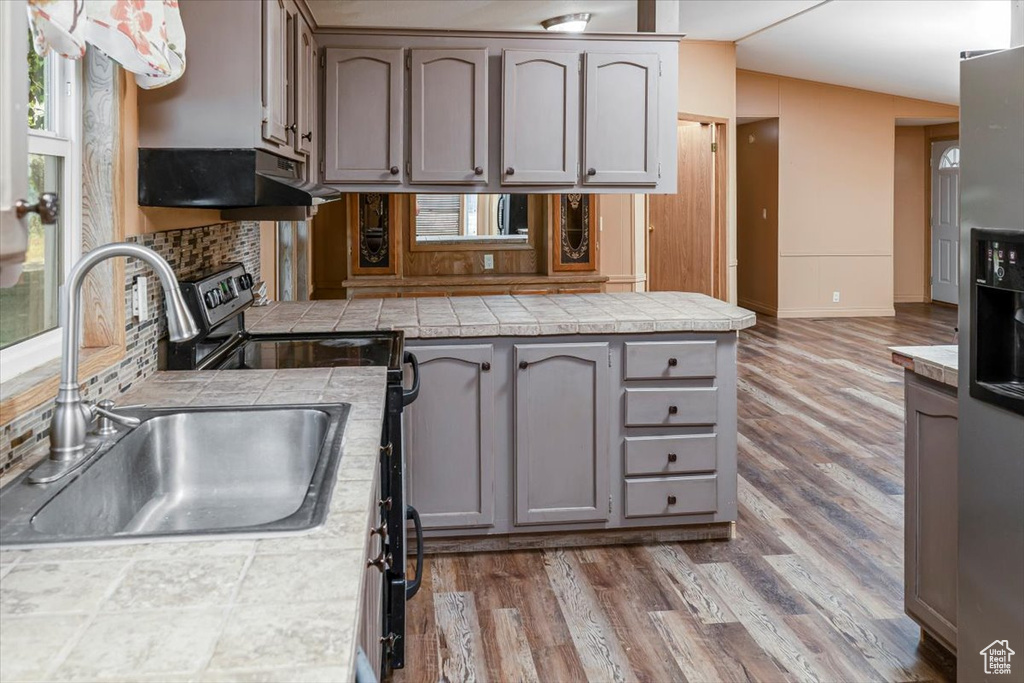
245,182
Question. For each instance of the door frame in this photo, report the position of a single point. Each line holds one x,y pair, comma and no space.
720,204
928,142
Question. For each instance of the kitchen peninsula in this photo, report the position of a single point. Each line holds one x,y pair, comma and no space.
579,419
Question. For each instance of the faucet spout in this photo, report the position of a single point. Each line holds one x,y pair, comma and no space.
71,415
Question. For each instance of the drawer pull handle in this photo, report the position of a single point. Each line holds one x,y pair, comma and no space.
671,457
672,410
671,500
381,562
672,362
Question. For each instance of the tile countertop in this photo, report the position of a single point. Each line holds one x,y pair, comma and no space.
257,609
934,362
507,315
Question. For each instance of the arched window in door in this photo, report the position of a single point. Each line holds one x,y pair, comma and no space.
950,158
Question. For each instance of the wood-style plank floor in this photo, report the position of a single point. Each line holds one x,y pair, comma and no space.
811,588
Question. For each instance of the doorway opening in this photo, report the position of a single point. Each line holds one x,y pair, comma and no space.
686,231
757,215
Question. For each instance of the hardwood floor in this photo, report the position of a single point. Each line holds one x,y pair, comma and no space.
811,588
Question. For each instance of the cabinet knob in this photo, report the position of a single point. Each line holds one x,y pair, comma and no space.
523,365
381,530
478,170
672,410
386,503
510,171
381,562
394,170
591,171
308,136
48,208
293,128
672,457
485,366
672,362
671,500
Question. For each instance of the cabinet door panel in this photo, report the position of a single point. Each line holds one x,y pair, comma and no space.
540,117
561,422
275,71
450,437
621,119
363,116
931,509
305,88
449,116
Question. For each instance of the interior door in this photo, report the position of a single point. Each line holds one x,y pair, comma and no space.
945,221
681,226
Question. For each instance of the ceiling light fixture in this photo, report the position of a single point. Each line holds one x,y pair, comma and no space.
567,23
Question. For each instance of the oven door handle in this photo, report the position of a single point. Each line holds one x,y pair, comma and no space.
412,587
410,395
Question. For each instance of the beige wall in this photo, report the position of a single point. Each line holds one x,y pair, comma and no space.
757,215
836,183
910,215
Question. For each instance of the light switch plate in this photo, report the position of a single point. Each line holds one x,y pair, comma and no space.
140,298
488,261
835,297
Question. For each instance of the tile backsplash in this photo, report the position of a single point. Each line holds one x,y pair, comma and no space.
188,251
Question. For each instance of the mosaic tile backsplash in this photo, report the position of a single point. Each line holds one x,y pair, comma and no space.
187,251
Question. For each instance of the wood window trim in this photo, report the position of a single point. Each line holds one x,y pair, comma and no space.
469,244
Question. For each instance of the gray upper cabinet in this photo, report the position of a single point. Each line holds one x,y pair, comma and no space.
621,119
449,116
276,21
450,437
540,125
364,116
305,88
562,397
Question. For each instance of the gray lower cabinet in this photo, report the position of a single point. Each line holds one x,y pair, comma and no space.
449,116
371,616
363,119
449,433
540,124
930,563
562,400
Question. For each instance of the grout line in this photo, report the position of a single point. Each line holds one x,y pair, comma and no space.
228,611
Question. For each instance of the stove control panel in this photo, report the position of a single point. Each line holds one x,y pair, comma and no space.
219,294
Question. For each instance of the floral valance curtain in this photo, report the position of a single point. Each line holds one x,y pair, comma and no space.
146,37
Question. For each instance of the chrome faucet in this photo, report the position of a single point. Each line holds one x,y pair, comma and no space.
72,416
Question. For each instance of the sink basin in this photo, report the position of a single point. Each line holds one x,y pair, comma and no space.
194,472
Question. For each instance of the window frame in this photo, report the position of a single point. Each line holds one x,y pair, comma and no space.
63,140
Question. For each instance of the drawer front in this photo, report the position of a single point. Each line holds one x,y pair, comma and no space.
668,407
669,360
667,496
671,454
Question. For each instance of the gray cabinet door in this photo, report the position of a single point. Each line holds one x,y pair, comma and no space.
930,565
363,119
540,124
620,138
305,88
275,70
450,437
449,116
562,462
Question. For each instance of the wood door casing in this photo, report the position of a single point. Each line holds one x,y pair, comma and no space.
945,225
684,252
562,462
620,136
450,437
363,116
540,117
449,116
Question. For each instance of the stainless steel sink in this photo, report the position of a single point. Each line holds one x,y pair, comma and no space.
189,473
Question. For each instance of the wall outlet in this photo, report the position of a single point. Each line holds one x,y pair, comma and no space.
488,261
140,298
835,297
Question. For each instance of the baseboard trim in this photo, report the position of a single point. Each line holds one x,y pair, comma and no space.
577,539
909,299
758,307
836,312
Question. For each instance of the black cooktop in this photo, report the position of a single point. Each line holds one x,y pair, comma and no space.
327,350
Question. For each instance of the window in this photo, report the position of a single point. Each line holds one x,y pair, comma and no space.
28,325
950,158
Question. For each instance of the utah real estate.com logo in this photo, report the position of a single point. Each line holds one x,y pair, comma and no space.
997,657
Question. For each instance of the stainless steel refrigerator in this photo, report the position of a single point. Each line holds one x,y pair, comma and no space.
991,456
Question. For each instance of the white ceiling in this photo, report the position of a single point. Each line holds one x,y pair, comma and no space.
903,47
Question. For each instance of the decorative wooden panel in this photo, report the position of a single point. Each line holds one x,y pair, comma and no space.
575,232
372,218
